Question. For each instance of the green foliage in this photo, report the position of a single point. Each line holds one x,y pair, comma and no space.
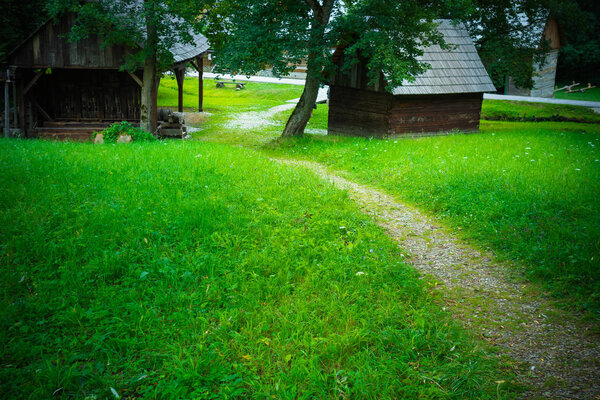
580,56
112,133
249,35
17,21
195,270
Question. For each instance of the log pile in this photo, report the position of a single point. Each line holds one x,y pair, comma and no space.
171,124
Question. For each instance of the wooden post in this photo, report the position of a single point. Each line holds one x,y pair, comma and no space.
6,106
179,76
15,111
200,63
21,106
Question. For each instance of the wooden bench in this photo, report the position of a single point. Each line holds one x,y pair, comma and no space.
222,83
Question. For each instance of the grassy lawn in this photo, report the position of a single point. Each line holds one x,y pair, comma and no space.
588,95
523,111
528,190
254,97
198,270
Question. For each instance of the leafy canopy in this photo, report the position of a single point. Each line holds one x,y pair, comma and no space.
251,35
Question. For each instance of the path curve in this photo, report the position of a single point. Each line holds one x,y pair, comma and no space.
558,356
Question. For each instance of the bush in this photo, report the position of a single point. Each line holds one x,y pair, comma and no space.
117,129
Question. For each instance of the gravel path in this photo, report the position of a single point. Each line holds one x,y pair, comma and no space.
256,119
556,354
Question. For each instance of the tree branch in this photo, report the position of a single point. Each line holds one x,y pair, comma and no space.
314,5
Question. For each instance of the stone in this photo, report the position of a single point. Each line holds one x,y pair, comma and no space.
124,139
99,138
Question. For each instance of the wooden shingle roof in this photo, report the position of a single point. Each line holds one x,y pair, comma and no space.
458,70
185,52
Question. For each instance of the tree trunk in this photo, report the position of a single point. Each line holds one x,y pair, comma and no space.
301,114
150,80
148,103
303,111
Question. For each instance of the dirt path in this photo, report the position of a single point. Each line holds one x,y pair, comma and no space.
557,355
256,119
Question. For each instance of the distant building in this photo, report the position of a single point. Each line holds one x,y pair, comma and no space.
544,74
445,98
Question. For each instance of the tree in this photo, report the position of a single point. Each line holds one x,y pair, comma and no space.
148,27
508,35
250,35
580,58
17,21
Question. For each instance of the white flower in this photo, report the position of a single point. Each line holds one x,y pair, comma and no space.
359,273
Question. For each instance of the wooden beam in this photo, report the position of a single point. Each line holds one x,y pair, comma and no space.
6,109
200,87
42,111
15,106
195,65
135,78
37,76
179,76
21,105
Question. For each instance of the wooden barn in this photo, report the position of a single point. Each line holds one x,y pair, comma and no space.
544,74
68,89
446,97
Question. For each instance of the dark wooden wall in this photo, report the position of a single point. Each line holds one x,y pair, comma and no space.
355,112
49,48
435,113
89,95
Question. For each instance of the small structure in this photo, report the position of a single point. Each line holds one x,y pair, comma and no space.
446,97
71,89
544,74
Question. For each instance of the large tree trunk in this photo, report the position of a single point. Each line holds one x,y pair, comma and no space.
150,80
301,114
148,103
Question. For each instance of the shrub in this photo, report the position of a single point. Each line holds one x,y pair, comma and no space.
117,129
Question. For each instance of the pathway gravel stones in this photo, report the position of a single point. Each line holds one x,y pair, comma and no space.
557,355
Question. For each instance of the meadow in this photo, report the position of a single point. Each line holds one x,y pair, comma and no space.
202,269
196,270
527,190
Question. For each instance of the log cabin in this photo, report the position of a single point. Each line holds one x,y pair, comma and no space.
65,89
447,97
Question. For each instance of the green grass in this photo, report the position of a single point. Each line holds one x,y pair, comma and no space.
588,95
197,270
254,96
528,190
524,111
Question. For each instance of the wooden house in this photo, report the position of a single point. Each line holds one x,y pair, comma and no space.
446,97
70,89
544,74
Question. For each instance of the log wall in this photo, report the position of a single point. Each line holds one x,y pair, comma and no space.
49,48
89,95
355,112
439,113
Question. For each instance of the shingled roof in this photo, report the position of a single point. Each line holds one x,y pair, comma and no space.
458,70
184,52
